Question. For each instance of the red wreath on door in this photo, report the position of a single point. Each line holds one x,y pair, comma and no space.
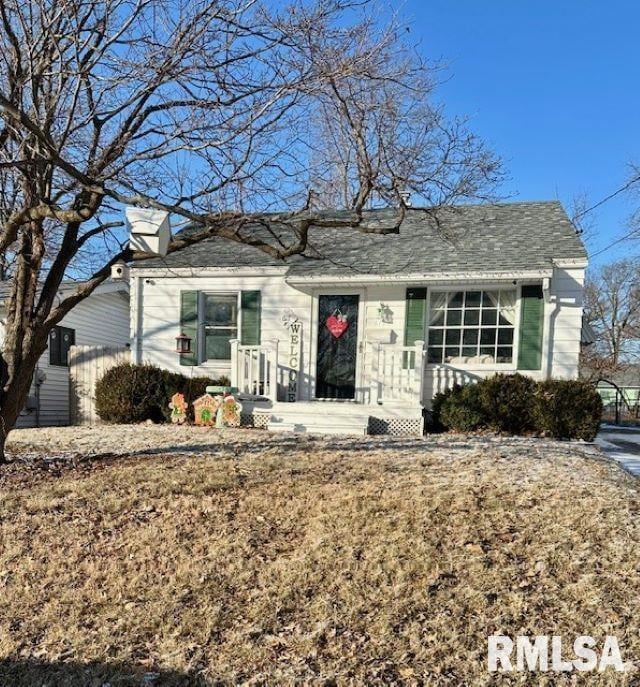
337,324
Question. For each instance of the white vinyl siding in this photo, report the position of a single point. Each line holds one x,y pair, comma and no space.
156,330
156,325
564,316
101,320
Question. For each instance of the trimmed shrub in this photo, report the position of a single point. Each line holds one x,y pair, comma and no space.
435,420
567,409
130,393
562,409
506,402
461,409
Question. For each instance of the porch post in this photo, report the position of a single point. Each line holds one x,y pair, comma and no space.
418,369
234,362
374,375
273,372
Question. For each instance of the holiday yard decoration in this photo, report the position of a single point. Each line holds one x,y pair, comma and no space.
178,409
216,411
229,412
205,410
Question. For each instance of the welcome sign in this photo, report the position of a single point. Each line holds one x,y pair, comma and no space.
294,356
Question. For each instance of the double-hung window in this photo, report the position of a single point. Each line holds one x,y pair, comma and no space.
220,324
471,327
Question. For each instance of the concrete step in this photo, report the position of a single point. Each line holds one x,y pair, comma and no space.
318,417
344,428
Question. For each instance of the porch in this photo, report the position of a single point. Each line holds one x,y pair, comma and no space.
387,397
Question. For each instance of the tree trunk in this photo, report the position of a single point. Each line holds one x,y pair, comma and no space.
8,420
12,400
3,440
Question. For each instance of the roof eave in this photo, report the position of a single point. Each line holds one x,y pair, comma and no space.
418,278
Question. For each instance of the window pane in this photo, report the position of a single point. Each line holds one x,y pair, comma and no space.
490,299
451,353
437,318
439,300
469,351
505,336
471,317
504,354
435,337
217,343
452,337
456,299
489,317
473,299
487,350
434,354
454,317
470,337
487,336
507,317
508,299
221,310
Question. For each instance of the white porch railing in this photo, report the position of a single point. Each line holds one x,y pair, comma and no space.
439,378
394,374
254,369
391,374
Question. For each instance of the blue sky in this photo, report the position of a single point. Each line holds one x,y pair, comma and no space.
553,87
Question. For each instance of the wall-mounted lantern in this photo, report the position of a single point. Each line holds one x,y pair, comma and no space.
183,344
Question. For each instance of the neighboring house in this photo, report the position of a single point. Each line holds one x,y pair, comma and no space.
102,319
381,321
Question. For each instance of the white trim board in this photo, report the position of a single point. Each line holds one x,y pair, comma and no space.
181,272
439,278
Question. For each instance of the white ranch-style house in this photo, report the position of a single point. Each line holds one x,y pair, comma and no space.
360,333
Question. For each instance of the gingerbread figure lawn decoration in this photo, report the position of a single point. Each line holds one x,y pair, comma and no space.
178,409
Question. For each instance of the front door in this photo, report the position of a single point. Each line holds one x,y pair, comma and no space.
337,349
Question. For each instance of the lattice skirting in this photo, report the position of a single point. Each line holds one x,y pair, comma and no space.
395,425
256,420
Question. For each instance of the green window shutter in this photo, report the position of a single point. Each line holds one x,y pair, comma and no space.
189,324
416,310
414,323
531,325
250,305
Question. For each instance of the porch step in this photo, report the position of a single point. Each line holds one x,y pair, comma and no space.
350,429
318,418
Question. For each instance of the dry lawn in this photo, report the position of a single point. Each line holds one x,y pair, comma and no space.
282,560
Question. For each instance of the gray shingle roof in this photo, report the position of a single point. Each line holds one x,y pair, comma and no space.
67,284
500,237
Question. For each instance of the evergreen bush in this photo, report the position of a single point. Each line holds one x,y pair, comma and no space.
567,409
130,393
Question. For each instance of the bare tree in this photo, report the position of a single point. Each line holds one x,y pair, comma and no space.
207,109
612,308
